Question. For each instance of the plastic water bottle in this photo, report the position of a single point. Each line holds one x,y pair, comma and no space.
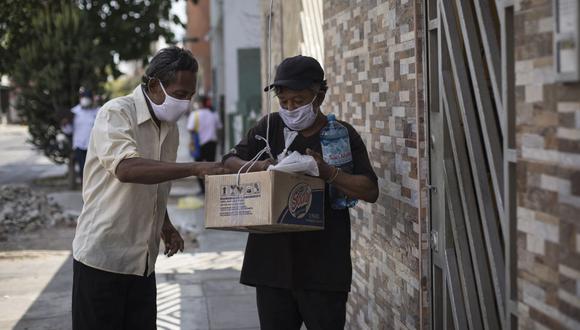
336,152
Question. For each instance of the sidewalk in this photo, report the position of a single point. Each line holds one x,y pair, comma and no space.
197,289
20,162
200,288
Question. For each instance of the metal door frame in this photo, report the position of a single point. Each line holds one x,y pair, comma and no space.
469,89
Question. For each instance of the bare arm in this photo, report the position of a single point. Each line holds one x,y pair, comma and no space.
353,185
356,186
149,171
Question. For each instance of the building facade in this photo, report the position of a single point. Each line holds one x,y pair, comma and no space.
225,38
373,66
548,174
475,139
197,39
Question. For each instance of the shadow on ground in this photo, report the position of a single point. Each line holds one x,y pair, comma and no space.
198,289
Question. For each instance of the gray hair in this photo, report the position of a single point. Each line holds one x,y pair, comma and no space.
167,62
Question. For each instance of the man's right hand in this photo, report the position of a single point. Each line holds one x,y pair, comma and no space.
235,163
149,171
202,169
261,165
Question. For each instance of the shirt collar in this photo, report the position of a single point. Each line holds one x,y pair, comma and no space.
141,105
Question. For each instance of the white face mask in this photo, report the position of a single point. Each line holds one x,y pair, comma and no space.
299,118
171,109
86,102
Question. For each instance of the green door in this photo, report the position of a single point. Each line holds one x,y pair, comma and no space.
249,94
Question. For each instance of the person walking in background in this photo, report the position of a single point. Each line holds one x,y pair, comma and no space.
80,127
203,124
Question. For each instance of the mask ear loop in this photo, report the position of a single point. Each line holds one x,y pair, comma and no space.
314,99
148,82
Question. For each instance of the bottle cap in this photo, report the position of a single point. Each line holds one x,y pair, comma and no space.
331,117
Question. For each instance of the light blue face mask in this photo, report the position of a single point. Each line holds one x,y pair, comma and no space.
300,118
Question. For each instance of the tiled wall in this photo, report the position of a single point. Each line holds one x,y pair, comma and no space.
548,182
374,74
373,65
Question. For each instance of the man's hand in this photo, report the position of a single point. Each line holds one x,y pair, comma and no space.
149,171
172,239
261,165
235,163
201,169
353,185
325,170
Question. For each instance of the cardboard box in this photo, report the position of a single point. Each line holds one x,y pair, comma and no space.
264,202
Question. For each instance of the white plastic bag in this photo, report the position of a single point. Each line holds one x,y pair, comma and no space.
297,163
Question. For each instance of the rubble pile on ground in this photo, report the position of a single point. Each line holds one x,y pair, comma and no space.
25,210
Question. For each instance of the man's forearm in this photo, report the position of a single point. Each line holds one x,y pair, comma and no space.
149,171
235,163
356,186
167,222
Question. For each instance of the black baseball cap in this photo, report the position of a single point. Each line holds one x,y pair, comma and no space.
297,73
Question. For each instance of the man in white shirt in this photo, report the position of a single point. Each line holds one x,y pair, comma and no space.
84,115
206,123
130,163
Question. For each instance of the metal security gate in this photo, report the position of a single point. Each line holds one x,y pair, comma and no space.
470,99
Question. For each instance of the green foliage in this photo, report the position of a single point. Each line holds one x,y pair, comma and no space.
52,47
121,86
51,68
128,27
15,16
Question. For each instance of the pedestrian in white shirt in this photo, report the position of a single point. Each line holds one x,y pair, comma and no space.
130,163
206,123
80,126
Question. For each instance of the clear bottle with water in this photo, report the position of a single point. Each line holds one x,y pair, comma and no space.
336,152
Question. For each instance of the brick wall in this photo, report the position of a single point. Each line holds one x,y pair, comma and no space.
548,183
373,73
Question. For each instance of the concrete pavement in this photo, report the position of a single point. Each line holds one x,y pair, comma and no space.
20,161
197,289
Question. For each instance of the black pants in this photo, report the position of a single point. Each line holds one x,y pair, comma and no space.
104,300
282,309
80,157
207,154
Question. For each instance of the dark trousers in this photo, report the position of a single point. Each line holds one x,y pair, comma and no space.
104,300
283,309
80,157
207,154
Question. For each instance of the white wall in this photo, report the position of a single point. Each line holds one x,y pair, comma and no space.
217,45
242,29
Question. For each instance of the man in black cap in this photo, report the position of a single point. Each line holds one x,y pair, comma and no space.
305,276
